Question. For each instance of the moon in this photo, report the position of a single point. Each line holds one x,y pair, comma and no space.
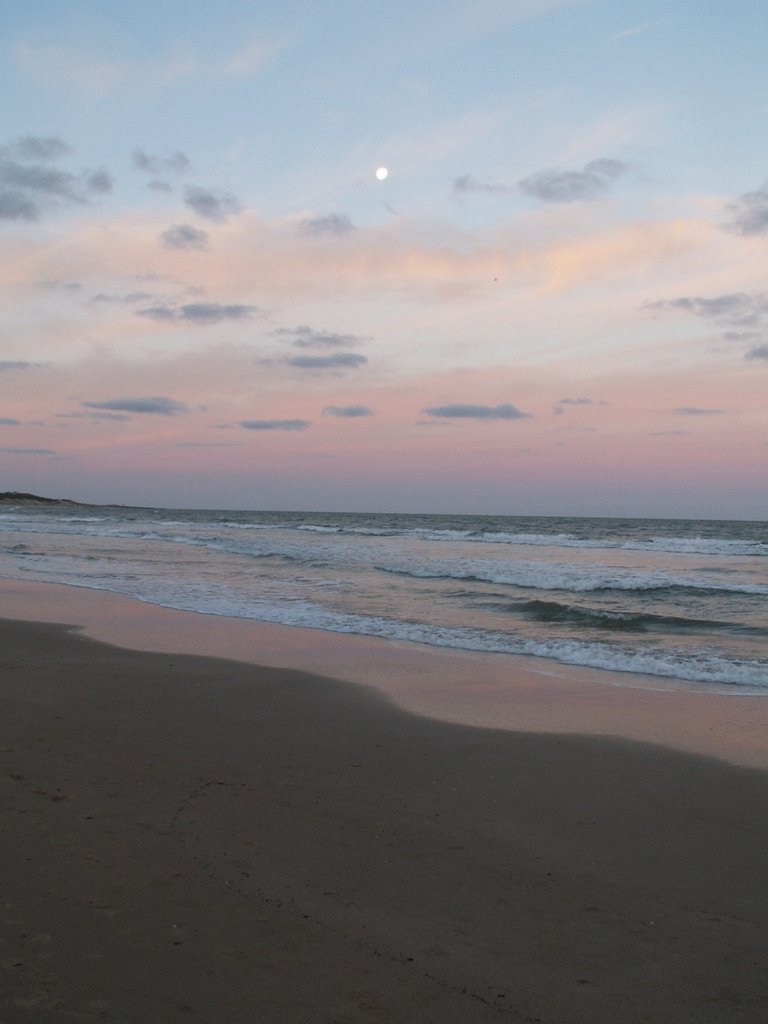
381,173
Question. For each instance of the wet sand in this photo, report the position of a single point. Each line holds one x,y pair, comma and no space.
187,837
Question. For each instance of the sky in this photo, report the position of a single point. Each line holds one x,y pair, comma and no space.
554,301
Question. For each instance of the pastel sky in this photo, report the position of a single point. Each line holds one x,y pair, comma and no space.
556,301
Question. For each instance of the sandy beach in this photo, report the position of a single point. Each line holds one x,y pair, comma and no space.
194,838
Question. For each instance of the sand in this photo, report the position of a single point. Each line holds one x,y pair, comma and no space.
191,838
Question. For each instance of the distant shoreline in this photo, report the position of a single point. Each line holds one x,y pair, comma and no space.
22,498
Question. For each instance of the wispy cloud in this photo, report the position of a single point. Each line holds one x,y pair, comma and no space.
55,66
477,412
254,56
157,406
58,67
760,352
636,30
461,20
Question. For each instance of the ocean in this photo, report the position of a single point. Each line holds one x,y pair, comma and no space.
684,600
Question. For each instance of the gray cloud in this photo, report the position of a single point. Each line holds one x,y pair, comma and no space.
336,224
6,421
275,424
210,444
174,163
692,410
748,215
57,285
130,297
558,408
28,451
29,186
213,205
202,313
215,312
16,206
159,312
305,337
111,417
13,364
347,411
742,335
336,361
477,412
100,181
466,183
27,190
184,236
41,179
738,309
745,311
158,406
33,147
159,186
591,182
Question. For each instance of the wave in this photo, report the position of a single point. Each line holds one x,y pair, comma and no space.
615,621
669,545
691,666
695,545
534,576
694,665
587,535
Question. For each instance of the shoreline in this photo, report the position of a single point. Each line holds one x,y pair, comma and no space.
195,836
465,687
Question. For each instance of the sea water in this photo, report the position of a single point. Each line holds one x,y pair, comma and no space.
678,599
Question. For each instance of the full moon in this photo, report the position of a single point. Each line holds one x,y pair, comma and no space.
382,173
